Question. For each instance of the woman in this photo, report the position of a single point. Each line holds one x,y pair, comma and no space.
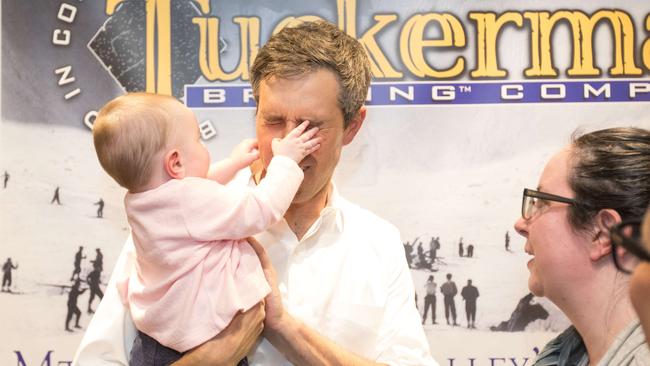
599,180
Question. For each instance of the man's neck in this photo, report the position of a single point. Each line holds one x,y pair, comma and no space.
301,216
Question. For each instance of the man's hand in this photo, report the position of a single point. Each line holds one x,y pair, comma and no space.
245,153
273,302
232,344
298,143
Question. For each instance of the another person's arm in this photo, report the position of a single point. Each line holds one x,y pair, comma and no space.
242,156
299,143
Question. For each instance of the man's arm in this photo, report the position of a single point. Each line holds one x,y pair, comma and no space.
232,344
300,344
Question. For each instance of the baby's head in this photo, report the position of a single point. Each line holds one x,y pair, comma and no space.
143,140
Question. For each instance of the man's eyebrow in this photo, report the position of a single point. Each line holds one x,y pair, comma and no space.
313,122
272,117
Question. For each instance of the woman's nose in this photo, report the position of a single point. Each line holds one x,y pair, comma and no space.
521,226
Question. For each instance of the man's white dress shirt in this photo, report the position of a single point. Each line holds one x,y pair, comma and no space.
347,278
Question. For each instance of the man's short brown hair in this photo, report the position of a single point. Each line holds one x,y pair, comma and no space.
128,132
299,50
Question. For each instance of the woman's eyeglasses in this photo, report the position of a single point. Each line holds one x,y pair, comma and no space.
627,248
533,201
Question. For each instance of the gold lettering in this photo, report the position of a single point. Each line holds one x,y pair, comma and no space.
293,21
645,50
205,6
582,28
380,67
412,44
488,27
158,65
347,16
209,59
158,74
111,5
379,64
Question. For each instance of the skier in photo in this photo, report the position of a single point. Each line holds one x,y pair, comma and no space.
470,294
77,263
55,198
6,275
93,282
98,262
73,309
6,175
449,291
100,209
430,300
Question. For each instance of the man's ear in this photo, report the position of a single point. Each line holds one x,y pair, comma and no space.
174,166
354,126
601,244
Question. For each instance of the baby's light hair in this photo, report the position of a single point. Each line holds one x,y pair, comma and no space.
128,132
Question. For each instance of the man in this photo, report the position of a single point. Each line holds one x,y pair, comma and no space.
434,245
93,280
77,263
6,275
6,179
469,293
56,197
430,300
98,262
422,259
449,291
342,293
100,209
73,309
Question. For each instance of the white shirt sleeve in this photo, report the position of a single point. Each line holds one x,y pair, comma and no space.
401,339
110,334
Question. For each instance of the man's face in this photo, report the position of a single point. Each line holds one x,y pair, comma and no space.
284,104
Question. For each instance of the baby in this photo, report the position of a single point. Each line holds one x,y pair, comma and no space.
194,269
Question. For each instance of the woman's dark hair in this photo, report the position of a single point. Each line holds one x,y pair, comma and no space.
611,169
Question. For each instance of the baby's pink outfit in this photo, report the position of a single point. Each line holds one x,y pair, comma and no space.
195,270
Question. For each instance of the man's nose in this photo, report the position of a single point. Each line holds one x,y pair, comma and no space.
289,126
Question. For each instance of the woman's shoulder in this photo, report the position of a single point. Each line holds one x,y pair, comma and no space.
629,348
567,349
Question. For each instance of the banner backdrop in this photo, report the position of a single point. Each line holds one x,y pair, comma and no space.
468,101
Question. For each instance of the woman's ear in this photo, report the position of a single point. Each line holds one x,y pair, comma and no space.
173,163
601,244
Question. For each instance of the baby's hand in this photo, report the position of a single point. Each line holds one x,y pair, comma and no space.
298,143
245,153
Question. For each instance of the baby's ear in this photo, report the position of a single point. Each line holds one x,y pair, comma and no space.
174,166
601,244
